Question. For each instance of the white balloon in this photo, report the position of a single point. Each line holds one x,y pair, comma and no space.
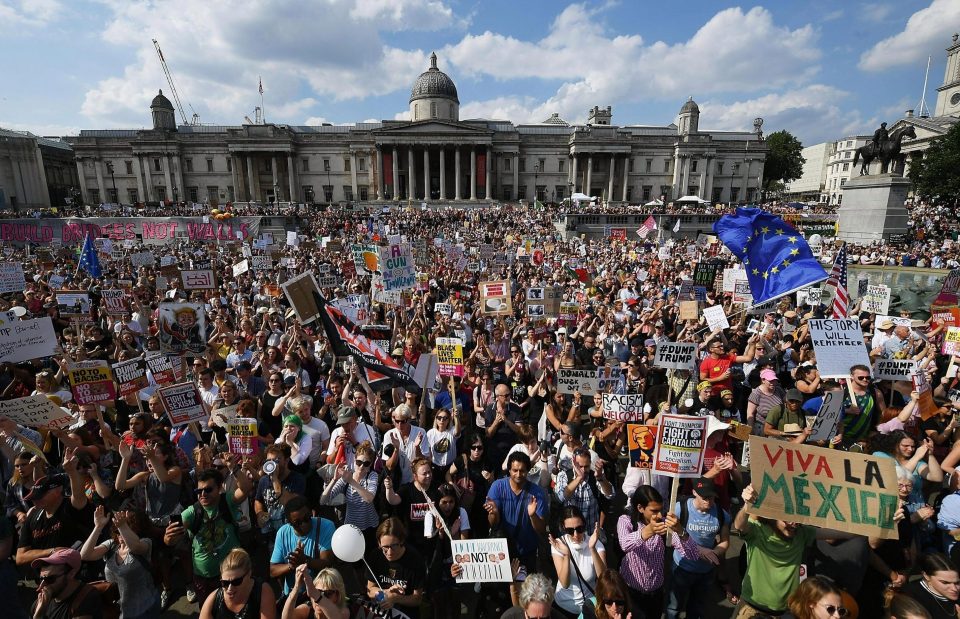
815,239
348,543
688,402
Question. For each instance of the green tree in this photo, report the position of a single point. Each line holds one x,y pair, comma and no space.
784,162
937,174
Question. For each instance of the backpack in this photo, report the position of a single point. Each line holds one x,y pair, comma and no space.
109,598
200,516
685,512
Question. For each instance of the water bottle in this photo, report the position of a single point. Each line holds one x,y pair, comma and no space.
380,596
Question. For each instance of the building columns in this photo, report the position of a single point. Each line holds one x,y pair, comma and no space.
574,177
19,190
589,188
473,173
677,164
148,178
703,179
487,184
372,180
516,176
613,167
411,178
98,166
626,173
179,177
291,180
456,171
685,183
396,176
165,162
252,197
746,180
138,170
443,172
353,175
426,173
42,177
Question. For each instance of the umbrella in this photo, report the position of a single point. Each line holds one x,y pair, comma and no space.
654,203
696,199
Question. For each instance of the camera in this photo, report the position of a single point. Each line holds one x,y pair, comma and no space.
269,466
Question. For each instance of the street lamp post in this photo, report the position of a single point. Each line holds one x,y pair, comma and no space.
536,190
113,180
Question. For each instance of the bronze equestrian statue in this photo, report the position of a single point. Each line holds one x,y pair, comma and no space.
887,149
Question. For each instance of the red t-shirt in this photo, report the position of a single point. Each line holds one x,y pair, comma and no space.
711,368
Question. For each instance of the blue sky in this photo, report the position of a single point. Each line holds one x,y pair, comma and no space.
820,69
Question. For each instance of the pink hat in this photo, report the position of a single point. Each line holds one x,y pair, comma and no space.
768,375
63,556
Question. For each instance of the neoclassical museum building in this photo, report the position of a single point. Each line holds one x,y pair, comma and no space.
435,157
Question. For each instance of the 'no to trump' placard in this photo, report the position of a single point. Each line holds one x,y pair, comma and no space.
680,443
838,343
676,356
91,382
828,488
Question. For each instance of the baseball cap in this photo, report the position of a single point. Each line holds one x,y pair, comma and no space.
705,488
704,384
725,393
794,394
346,414
44,485
650,342
768,375
63,556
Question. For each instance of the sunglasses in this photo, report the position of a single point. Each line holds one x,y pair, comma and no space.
401,422
299,521
571,530
442,418
236,582
615,603
839,611
476,447
364,463
387,547
52,577
204,491
325,593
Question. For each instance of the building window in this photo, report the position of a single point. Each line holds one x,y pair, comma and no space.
307,193
364,193
665,191
133,196
648,168
326,165
719,168
522,164
128,165
362,164
209,165
734,194
850,144
561,165
229,166
113,196
846,167
193,194
416,115
560,192
305,164
156,165
348,193
522,192
328,193
843,182
230,194
717,193
452,117
629,197
213,192
693,164
595,164
506,166
647,190
736,170
541,193
666,165
267,165
506,193
433,110
188,165
543,164
94,195
346,164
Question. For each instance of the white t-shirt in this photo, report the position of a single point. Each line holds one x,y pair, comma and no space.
408,450
536,463
320,433
362,432
443,446
572,597
430,523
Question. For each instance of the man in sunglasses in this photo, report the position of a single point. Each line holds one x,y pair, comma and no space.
584,486
55,522
861,416
303,540
60,594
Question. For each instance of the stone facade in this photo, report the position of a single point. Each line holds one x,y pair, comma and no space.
35,172
434,157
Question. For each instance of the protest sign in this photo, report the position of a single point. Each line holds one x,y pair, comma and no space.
161,369
623,407
831,410
450,356
828,488
25,340
36,411
568,314
224,415
261,263
242,436
893,369
838,344
741,292
143,259
366,258
681,440
951,341
482,560
730,277
676,356
642,444
584,381
443,308
426,371
115,301
131,376
380,335
716,319
74,304
182,403
877,299
300,292
689,310
241,267
56,282
495,298
329,281
705,274
198,280
928,408
182,328
11,277
814,297
397,267
91,382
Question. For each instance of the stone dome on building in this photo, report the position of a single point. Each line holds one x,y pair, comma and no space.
161,101
434,95
555,120
690,106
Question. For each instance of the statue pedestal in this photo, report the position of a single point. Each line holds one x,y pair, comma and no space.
873,208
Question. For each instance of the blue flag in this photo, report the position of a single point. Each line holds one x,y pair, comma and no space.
775,256
89,260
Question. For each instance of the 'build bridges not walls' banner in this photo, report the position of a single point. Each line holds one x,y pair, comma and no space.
149,230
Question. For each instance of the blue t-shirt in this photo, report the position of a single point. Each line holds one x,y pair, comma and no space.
319,539
295,483
703,528
514,520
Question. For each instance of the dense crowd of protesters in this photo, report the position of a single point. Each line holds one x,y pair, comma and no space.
122,496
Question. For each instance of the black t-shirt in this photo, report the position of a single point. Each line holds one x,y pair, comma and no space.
412,509
88,606
66,527
408,572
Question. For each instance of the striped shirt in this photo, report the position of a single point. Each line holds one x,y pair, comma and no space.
359,512
642,566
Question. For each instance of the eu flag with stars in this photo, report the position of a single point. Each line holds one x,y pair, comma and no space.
775,256
89,260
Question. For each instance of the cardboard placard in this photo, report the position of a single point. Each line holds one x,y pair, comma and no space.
242,436
115,301
300,291
161,369
241,267
182,403
838,344
571,381
951,341
25,340
676,356
623,407
495,298
36,411
681,440
143,259
828,488
198,280
877,299
182,328
397,267
11,277
928,408
91,382
74,304
716,319
482,560
450,356
894,369
131,376
642,444
261,263
689,310
828,417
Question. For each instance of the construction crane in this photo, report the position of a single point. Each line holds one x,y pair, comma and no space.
173,89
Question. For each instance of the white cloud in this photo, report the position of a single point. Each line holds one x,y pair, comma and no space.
315,121
927,32
596,67
875,12
41,129
16,14
813,114
302,52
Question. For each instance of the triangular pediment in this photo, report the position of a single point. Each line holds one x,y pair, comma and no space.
926,128
432,127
